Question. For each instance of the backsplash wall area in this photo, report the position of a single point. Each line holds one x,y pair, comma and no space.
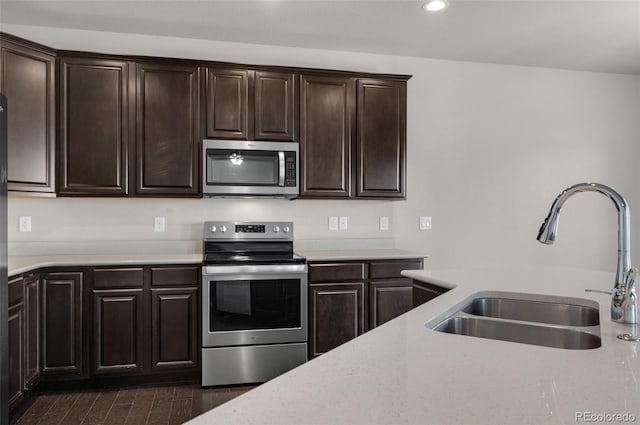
488,146
112,219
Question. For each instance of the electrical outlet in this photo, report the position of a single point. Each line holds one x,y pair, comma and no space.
424,223
25,223
344,222
158,224
333,223
384,223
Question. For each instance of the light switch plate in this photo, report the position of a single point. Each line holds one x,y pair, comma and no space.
333,223
25,223
424,223
158,224
344,222
384,223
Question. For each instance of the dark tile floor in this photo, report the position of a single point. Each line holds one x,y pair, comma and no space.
166,405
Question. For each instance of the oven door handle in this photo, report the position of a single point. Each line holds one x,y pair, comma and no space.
254,269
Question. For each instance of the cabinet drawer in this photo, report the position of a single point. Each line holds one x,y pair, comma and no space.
392,268
337,272
15,295
117,278
175,276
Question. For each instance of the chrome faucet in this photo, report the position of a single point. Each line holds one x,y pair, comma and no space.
624,304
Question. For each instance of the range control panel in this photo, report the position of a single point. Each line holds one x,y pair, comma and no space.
235,230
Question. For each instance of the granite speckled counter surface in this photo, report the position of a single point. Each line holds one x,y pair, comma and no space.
404,373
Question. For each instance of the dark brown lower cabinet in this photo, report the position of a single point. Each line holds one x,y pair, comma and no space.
32,329
23,325
336,315
389,299
174,328
423,292
348,298
16,343
62,324
117,331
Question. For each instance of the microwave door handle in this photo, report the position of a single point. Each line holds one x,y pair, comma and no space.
281,167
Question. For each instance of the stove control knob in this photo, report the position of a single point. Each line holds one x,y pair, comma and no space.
213,229
276,229
223,229
286,229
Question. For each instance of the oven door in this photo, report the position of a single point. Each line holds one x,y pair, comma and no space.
254,304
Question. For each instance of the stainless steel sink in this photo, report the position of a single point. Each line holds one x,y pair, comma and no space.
548,336
549,321
556,313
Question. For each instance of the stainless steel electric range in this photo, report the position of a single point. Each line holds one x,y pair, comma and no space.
254,302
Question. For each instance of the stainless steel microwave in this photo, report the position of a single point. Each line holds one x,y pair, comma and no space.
248,168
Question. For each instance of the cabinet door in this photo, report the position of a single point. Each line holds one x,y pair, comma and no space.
227,100
16,338
423,292
117,330
326,120
381,138
275,106
28,81
388,299
174,328
94,127
167,136
336,315
62,323
32,330
16,353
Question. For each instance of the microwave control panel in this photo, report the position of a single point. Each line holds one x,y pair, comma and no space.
290,172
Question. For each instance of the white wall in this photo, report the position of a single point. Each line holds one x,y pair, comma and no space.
489,147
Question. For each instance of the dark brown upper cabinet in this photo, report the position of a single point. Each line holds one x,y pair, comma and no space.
327,114
381,140
352,137
168,130
251,105
275,106
94,127
227,103
28,80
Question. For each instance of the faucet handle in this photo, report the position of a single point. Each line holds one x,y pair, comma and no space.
609,292
631,278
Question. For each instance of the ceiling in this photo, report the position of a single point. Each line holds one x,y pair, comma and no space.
589,35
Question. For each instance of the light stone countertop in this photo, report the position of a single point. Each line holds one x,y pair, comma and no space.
404,373
22,264
358,254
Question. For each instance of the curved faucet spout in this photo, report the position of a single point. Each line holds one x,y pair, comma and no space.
624,305
549,228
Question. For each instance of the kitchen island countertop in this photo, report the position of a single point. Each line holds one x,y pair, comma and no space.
403,373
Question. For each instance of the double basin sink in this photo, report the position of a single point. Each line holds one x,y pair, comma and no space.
550,321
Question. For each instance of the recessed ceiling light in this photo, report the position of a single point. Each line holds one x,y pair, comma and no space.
435,5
